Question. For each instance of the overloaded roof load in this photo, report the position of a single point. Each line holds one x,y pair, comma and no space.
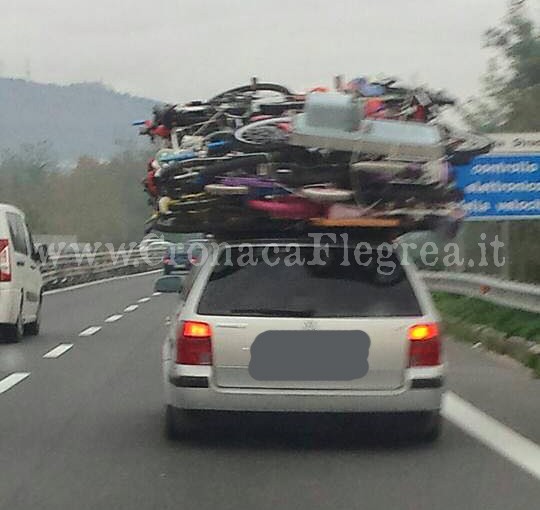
261,158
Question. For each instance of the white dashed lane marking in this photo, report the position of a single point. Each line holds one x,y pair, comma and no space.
58,351
144,300
131,308
505,441
156,294
90,331
113,318
11,380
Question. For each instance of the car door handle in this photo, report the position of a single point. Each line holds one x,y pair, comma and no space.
20,263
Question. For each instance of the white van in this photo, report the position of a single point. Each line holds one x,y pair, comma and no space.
21,283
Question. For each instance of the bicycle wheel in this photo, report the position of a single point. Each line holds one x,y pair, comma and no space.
263,135
248,91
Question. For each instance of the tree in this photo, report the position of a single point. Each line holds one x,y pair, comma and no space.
511,86
95,201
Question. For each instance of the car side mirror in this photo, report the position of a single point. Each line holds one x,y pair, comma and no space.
169,284
41,254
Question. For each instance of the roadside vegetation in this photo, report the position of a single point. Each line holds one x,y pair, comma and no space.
510,332
509,102
95,201
475,311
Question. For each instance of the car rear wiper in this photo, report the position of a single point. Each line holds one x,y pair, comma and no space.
274,312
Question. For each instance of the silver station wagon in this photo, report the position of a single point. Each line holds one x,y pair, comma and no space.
294,326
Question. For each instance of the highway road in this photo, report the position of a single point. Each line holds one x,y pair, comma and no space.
81,427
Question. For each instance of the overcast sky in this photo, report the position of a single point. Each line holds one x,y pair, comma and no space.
177,50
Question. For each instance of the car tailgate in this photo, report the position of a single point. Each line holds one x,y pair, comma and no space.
302,342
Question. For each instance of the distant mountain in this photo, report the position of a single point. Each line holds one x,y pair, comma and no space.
81,119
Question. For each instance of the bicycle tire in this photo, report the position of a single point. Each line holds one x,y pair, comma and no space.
262,135
270,87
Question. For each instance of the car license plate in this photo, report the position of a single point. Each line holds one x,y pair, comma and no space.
310,356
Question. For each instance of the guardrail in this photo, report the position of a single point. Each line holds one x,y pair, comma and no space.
67,270
521,296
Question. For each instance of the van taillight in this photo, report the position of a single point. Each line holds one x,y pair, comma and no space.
424,345
194,343
5,261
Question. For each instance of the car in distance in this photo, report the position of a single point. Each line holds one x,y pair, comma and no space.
276,336
181,257
175,259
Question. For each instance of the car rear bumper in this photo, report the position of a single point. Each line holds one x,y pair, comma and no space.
175,267
10,300
197,392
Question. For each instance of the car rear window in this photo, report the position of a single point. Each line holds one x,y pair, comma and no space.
296,281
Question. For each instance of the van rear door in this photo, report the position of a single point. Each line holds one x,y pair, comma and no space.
23,276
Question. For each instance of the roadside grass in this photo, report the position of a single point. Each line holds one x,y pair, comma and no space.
468,319
475,311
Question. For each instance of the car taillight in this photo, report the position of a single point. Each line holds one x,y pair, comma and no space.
194,343
5,261
424,345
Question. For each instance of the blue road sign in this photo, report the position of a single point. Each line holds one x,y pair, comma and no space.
501,187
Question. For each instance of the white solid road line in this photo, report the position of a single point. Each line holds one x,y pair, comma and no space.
58,351
99,282
131,308
11,380
144,300
505,441
113,318
90,331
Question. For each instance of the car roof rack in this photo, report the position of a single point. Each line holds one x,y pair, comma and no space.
307,233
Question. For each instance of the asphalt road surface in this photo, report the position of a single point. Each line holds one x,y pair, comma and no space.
81,427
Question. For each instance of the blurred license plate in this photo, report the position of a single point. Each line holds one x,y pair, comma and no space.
310,356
